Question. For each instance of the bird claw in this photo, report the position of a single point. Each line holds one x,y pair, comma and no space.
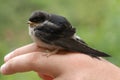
48,53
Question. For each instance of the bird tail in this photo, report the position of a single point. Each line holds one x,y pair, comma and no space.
94,53
79,46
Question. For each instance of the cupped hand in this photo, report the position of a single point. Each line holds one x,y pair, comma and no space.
62,66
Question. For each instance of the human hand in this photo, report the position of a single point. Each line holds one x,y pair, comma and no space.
69,66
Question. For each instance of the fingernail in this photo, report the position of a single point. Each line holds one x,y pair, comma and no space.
2,69
8,56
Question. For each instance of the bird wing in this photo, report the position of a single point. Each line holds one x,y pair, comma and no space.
79,46
50,33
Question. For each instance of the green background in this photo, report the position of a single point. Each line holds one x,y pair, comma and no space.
97,22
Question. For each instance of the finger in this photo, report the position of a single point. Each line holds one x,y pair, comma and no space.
20,63
34,61
23,50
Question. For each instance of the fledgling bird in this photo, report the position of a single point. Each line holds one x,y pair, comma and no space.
54,32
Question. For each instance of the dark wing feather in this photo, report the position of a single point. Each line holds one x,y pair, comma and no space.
80,40
77,46
50,33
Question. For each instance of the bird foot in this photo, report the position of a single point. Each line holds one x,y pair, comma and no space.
49,53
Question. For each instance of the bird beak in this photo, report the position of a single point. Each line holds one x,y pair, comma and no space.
32,24
29,22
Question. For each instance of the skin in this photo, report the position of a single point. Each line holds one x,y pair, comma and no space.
68,66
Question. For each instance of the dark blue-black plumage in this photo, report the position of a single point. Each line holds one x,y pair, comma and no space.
56,30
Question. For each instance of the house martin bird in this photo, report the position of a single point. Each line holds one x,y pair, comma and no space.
54,32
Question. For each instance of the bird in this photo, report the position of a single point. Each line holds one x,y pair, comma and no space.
54,32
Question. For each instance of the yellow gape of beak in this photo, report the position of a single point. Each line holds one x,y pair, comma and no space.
32,24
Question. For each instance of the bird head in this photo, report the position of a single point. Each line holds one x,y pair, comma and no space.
41,18
37,18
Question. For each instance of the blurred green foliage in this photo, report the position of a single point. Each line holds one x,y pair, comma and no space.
97,22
